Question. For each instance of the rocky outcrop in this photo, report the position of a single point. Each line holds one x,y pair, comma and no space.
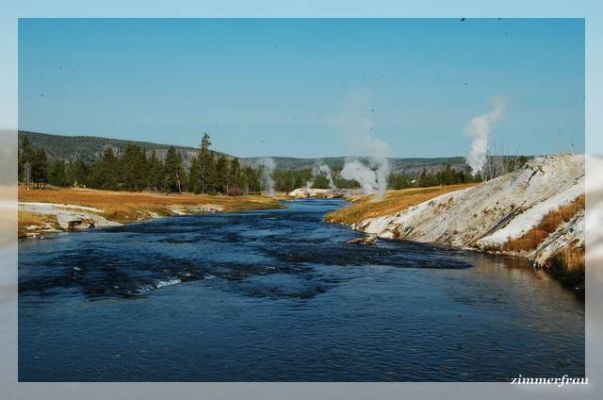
69,217
487,216
568,236
304,192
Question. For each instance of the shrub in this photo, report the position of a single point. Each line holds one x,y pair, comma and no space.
549,224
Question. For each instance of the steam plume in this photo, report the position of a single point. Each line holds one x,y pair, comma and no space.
479,129
372,170
268,167
322,169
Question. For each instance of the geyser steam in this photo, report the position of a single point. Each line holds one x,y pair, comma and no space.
372,170
322,169
479,129
268,167
371,176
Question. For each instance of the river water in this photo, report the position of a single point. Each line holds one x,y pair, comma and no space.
279,295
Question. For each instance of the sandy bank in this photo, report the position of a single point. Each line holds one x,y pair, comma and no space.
61,209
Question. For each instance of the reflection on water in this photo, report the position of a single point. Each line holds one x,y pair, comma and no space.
281,296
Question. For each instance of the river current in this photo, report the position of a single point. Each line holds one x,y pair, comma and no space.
280,295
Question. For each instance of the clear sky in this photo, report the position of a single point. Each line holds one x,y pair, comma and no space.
279,87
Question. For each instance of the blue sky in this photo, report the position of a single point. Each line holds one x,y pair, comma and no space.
277,87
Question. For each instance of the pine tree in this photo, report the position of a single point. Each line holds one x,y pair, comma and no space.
108,170
134,167
155,172
221,175
25,156
56,173
206,165
173,177
234,177
193,177
77,173
39,166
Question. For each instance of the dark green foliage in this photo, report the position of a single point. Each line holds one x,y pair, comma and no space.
39,166
234,181
32,164
193,177
24,158
57,173
77,173
85,148
173,175
220,178
155,173
288,180
444,176
136,167
106,173
206,166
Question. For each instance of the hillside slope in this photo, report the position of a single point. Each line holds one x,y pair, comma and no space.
89,148
505,214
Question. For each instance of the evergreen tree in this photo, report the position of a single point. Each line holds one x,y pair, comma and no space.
24,156
193,177
134,166
234,177
206,165
155,172
173,177
56,173
221,175
77,173
39,166
108,171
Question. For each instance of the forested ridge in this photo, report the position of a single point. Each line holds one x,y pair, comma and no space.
137,166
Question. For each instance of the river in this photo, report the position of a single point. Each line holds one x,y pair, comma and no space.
279,295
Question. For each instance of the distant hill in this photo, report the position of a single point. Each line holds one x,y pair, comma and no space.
408,165
89,148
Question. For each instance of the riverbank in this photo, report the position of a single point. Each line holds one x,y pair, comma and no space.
364,207
43,211
293,287
536,212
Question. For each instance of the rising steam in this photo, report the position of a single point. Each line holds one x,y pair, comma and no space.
319,170
268,167
372,170
479,129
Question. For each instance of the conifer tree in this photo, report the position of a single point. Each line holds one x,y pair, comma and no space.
221,175
56,173
206,165
155,172
193,177
173,177
39,166
108,170
234,177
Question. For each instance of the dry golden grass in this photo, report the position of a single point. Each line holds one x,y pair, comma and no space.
549,224
27,219
570,259
394,202
131,206
568,266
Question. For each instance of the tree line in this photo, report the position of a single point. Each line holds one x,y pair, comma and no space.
136,169
444,176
